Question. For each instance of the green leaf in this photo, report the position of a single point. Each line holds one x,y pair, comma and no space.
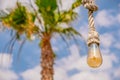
46,9
21,20
66,31
67,16
47,5
76,4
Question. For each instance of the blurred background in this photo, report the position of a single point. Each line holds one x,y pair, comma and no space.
70,62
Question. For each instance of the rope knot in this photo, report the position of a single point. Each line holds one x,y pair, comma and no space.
90,5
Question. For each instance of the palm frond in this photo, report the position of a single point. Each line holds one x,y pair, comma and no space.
46,5
9,46
66,31
46,9
66,42
21,20
76,4
66,16
20,48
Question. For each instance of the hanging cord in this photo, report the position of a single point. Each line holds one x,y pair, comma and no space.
92,7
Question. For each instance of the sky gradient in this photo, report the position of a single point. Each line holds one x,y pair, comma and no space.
70,63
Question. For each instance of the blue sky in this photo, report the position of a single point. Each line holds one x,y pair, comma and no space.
70,63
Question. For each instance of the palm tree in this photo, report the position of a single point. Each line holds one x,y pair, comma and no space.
22,21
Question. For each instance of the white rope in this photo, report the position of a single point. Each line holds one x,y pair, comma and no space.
90,5
91,21
93,35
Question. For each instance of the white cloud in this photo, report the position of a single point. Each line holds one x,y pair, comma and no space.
117,45
91,76
108,61
84,31
7,4
74,49
55,48
31,74
60,74
5,60
64,25
104,18
1,27
65,5
105,51
117,73
5,64
8,75
118,18
118,5
106,40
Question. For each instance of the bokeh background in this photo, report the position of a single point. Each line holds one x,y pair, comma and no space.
70,62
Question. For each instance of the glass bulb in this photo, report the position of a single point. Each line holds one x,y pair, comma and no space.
94,58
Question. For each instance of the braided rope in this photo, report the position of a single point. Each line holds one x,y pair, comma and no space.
91,21
90,5
93,35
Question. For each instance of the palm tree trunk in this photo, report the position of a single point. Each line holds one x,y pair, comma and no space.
47,59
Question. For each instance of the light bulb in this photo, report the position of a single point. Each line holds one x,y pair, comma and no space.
94,58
